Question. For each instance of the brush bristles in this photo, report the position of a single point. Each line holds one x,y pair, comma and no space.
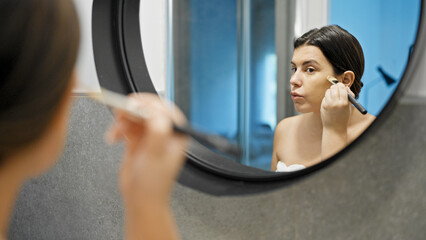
333,80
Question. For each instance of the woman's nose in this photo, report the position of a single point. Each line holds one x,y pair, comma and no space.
295,80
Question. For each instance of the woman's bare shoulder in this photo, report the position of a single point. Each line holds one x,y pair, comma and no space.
364,121
370,118
367,121
285,125
286,122
359,126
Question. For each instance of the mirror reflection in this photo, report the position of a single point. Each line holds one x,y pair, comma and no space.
235,71
327,121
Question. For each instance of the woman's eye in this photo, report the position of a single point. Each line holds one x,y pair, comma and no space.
310,70
293,69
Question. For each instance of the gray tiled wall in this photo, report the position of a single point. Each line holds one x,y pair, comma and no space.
375,192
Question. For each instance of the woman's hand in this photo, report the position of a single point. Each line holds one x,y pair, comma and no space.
336,108
153,156
335,113
154,153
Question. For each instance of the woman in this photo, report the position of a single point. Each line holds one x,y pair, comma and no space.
328,121
38,48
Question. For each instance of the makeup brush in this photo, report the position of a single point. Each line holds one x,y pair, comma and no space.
121,102
356,104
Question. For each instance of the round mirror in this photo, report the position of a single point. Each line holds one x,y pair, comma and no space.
228,65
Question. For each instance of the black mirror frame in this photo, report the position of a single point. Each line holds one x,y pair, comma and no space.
121,67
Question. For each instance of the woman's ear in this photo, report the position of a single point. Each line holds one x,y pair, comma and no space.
348,78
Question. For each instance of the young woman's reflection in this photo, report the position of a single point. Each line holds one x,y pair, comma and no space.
38,49
328,121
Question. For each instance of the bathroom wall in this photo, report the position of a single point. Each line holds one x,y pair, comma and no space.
87,78
417,89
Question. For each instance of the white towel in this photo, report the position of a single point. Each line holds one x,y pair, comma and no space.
281,167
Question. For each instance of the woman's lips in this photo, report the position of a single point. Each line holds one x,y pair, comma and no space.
295,96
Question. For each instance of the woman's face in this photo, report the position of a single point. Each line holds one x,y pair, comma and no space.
309,78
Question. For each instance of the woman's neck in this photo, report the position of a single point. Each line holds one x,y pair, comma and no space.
315,121
10,185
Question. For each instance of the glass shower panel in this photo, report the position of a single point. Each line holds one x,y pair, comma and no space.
229,87
258,79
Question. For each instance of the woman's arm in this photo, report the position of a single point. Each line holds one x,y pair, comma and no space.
278,143
335,112
145,220
275,159
333,140
153,157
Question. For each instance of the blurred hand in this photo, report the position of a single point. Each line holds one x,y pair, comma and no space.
154,153
336,108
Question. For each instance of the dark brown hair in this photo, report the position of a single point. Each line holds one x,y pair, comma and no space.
38,49
340,48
